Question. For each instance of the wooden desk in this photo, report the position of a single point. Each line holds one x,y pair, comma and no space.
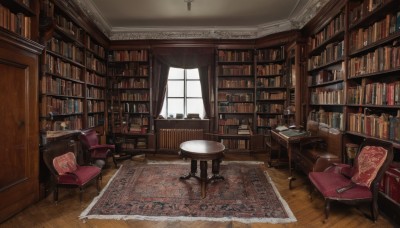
289,143
203,150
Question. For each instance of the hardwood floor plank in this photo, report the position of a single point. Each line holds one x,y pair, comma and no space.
308,213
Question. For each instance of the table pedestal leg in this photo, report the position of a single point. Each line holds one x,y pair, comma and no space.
203,178
193,170
215,170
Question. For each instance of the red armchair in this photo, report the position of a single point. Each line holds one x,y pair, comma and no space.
61,162
90,143
360,183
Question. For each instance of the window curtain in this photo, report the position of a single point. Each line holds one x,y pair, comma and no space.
187,58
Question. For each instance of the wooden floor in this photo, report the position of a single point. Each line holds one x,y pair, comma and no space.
308,213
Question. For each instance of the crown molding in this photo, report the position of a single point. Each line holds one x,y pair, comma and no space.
296,21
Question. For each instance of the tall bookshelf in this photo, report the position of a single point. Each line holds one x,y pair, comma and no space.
373,84
326,70
130,124
366,71
235,98
73,82
271,88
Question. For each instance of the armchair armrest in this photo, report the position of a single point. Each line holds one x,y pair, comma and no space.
105,146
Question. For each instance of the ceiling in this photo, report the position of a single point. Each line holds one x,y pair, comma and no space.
223,19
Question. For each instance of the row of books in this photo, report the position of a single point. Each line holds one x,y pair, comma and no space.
270,108
229,121
54,65
335,26
326,75
17,23
128,55
236,107
263,121
375,94
270,82
129,70
332,52
68,50
269,69
321,96
230,70
70,27
95,93
332,119
243,83
95,119
275,95
134,120
95,106
235,97
135,108
58,86
362,10
384,126
270,54
381,59
390,184
95,79
133,83
58,106
95,64
94,47
132,96
70,123
238,144
235,56
377,31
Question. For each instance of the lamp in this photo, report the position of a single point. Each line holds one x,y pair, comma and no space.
189,4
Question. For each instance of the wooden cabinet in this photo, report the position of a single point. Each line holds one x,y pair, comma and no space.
19,184
130,111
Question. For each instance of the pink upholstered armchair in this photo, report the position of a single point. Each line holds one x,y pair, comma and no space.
60,160
356,184
96,152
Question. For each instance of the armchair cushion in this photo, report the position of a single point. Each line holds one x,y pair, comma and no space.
369,161
65,163
81,176
329,182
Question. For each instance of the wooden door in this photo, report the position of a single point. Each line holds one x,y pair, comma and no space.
19,159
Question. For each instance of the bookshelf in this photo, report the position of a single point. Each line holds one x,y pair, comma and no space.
130,124
271,89
73,74
373,85
326,70
235,98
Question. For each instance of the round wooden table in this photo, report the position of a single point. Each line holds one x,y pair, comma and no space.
203,150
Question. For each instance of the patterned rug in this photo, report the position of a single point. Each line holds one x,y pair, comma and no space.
154,192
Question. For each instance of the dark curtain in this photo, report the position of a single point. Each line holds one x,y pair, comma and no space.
187,58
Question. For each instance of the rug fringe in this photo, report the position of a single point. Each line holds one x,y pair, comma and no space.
84,213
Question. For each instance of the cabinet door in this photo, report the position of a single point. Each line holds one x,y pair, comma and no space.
19,186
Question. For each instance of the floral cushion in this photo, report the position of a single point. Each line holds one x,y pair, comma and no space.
65,163
369,162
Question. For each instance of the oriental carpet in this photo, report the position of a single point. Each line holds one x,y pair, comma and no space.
155,192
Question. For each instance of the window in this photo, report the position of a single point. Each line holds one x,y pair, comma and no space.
183,93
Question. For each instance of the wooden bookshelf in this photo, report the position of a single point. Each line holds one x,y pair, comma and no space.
73,82
130,115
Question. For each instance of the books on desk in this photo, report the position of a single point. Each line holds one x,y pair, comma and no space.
293,133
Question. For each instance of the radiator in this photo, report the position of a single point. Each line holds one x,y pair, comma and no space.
171,138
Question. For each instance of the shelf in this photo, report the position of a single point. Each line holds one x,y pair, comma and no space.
371,17
65,78
381,42
66,59
327,65
326,83
335,38
17,7
395,143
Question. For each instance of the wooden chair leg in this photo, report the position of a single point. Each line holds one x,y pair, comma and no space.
98,184
374,210
80,194
55,194
327,208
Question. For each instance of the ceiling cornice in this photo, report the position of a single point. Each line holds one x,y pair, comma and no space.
297,21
